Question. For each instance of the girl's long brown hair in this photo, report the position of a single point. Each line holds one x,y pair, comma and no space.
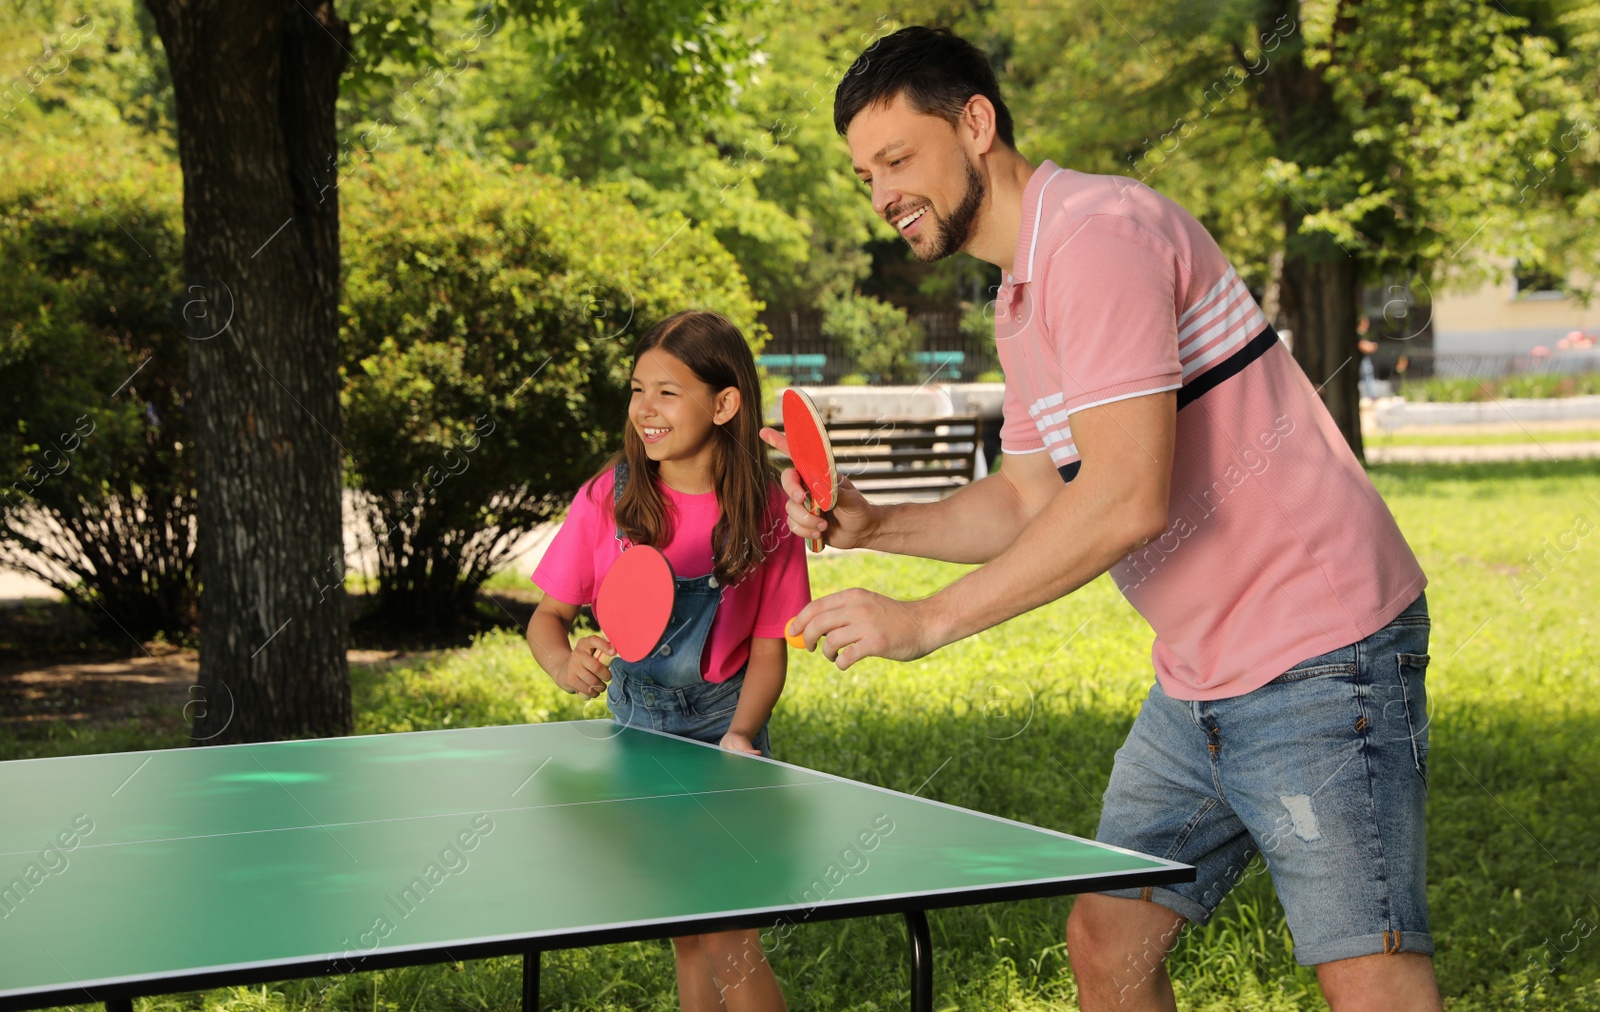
742,474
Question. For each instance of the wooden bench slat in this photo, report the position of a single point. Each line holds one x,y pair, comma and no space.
871,482
884,467
852,444
904,455
921,452
890,426
887,487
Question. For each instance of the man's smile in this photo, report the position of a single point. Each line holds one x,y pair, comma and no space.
910,219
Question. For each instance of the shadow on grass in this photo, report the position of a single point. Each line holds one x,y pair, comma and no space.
1434,472
491,610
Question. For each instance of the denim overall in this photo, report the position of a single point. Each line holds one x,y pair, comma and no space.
664,692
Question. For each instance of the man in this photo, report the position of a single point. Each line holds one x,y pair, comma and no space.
1367,347
1155,427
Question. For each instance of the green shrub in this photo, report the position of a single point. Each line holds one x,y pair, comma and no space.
1457,389
490,316
878,336
977,320
94,432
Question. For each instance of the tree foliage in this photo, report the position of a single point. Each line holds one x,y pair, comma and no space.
1377,140
77,71
759,165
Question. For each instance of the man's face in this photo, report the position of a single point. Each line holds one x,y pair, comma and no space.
923,182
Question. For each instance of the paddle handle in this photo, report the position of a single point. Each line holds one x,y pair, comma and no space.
815,544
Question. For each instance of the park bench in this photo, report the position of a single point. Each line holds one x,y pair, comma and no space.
799,368
896,455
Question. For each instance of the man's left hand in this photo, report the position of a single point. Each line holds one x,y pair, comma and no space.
857,623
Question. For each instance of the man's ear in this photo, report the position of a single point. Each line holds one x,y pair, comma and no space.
727,405
978,124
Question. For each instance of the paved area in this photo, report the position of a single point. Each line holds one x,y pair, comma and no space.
1471,454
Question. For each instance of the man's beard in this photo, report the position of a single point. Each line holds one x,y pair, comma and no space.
953,232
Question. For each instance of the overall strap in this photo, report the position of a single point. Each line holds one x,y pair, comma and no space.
621,479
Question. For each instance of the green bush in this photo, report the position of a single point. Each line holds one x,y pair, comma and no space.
94,432
878,337
1457,389
977,320
489,320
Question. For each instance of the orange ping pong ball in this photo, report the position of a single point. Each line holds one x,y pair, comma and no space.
794,639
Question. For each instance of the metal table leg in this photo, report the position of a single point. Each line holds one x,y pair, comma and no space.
921,961
530,981
119,1005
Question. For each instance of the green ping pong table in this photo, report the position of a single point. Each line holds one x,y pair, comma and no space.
143,873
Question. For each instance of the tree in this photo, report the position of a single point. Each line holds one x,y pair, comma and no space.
1399,130
255,86
256,89
1325,145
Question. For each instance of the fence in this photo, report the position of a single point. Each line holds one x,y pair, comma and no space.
800,351
1425,364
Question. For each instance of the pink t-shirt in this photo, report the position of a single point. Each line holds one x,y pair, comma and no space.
1278,548
759,605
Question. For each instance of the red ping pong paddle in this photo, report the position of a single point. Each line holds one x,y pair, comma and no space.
811,452
635,601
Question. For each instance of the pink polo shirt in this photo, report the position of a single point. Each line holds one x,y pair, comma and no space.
1278,547
760,605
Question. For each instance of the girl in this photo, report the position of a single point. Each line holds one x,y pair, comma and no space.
693,479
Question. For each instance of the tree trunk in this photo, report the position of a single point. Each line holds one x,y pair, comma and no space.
1319,299
1318,289
255,85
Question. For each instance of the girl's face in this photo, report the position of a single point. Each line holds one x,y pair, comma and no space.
673,411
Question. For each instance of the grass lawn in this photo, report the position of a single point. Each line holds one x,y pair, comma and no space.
1023,722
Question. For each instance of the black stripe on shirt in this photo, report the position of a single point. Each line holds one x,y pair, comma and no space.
1206,381
1228,367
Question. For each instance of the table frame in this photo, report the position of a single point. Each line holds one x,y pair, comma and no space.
118,997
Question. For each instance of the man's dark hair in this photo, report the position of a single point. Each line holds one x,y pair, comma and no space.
938,72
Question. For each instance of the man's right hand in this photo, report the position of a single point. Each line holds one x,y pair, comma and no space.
850,524
585,673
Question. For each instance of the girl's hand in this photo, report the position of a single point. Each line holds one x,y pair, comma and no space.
738,743
585,672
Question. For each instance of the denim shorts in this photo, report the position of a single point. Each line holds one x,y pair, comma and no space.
1322,771
703,712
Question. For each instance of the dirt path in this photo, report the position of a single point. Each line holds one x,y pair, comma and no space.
153,689
106,691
